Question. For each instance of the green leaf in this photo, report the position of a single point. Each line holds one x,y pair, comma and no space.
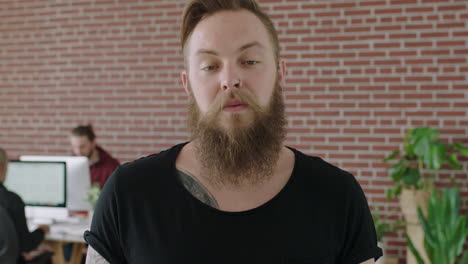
453,161
460,232
412,176
398,189
454,203
390,194
392,156
421,146
435,158
461,149
394,192
445,231
429,237
398,174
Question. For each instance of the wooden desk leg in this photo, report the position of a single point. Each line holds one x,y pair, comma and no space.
58,257
77,253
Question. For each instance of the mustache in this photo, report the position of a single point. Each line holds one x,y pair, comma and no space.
244,98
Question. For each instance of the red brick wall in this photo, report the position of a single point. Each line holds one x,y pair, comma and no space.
360,73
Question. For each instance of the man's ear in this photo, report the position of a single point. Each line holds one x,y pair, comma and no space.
282,72
184,77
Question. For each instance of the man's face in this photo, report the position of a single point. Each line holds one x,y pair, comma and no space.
82,146
231,68
236,112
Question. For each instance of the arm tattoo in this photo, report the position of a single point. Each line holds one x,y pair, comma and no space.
196,188
92,257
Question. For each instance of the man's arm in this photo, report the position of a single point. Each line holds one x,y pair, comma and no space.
28,240
370,261
92,257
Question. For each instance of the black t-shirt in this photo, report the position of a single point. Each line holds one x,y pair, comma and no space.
145,215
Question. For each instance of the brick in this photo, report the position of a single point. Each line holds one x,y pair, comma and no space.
285,8
357,29
372,3
386,45
343,5
435,52
418,27
358,12
450,43
451,60
460,33
450,25
419,9
327,14
418,44
451,7
388,11
451,78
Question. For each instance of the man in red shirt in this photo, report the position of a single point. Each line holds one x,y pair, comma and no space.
102,164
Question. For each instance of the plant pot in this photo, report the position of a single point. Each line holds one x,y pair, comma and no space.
410,200
381,260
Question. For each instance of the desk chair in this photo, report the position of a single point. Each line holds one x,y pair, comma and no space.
9,245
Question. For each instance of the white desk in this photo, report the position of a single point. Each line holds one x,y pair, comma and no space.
62,233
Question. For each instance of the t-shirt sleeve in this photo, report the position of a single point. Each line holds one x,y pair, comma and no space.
104,236
360,239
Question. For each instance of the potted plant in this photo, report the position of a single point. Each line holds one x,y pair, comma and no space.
92,196
445,230
383,226
413,173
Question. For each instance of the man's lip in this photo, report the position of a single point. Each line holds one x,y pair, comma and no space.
234,103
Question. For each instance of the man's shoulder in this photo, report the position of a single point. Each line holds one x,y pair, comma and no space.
10,199
150,166
317,164
106,158
316,176
318,170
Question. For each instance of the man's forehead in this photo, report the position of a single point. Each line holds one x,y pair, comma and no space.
79,139
230,31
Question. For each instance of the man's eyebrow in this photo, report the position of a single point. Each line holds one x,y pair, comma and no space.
244,47
250,45
206,51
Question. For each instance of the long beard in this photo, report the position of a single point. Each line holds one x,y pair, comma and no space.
240,153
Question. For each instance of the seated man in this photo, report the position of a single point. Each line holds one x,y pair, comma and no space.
101,163
14,206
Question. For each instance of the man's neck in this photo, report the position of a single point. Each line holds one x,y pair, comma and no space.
233,198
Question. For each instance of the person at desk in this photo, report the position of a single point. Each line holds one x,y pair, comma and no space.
14,206
102,164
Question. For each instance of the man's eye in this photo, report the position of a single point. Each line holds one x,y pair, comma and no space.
250,62
210,68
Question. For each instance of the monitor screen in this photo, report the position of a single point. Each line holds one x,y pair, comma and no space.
38,183
78,179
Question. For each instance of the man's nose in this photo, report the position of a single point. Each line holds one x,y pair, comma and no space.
231,78
230,84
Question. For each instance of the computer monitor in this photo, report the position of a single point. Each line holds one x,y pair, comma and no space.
41,185
78,179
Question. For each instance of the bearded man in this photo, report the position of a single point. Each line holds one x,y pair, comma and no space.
101,163
234,193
